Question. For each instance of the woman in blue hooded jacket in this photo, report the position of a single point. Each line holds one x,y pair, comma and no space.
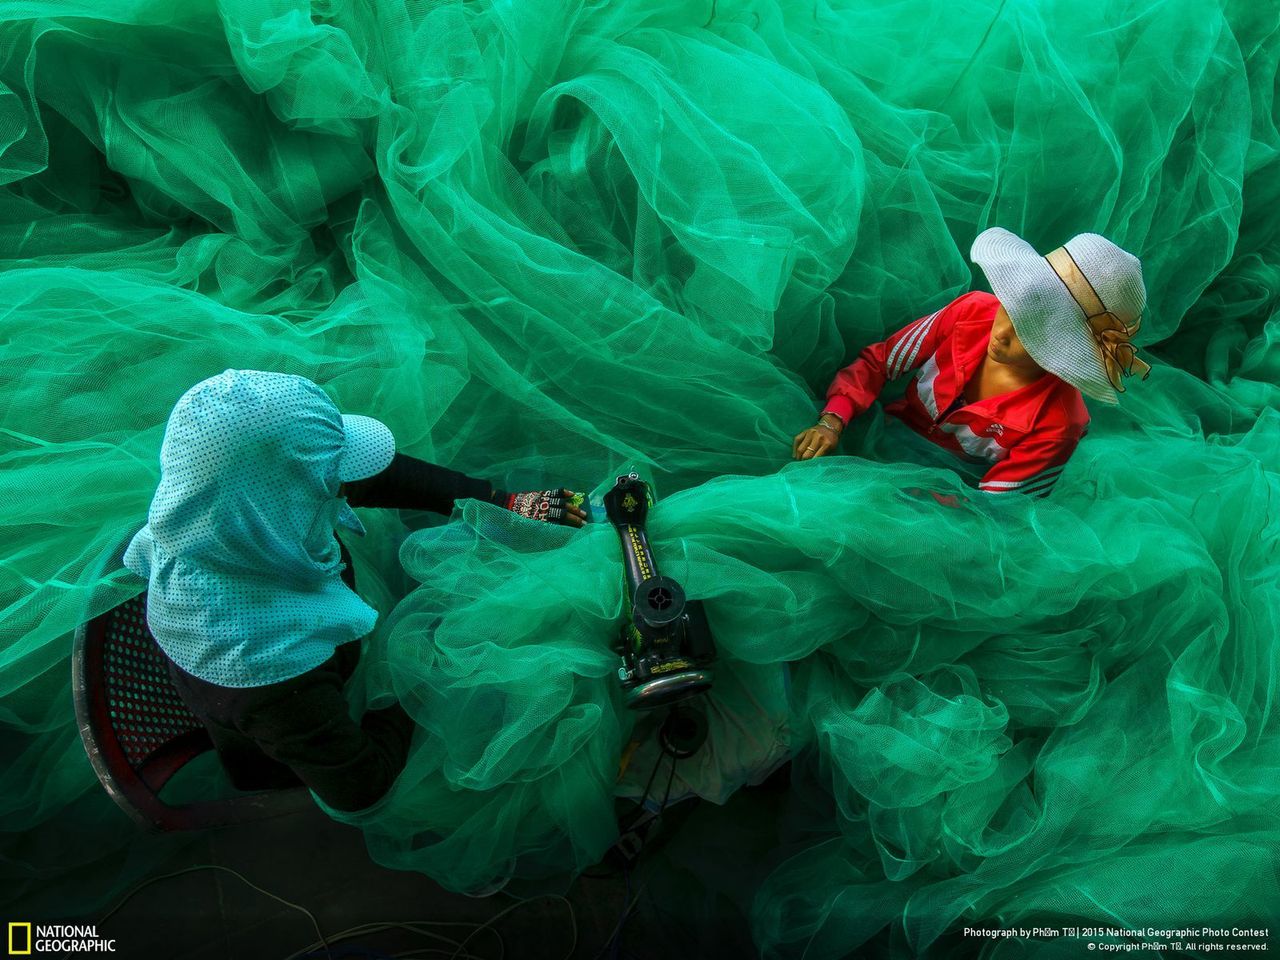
245,589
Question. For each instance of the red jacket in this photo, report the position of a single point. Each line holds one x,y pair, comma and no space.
1026,435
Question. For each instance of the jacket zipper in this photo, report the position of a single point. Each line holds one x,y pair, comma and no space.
954,405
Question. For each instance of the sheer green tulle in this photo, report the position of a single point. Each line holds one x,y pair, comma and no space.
543,240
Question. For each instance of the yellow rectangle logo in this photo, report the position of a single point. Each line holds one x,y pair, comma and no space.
13,948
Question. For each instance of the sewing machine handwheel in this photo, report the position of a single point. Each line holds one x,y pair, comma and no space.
658,602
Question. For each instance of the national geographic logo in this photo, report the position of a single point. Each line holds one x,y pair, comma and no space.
26,939
19,933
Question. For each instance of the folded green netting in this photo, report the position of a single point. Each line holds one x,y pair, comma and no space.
544,240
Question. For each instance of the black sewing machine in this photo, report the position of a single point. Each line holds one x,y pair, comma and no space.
665,643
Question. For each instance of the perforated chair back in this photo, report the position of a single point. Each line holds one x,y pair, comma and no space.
137,731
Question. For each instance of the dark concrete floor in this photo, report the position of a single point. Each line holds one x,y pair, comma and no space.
323,867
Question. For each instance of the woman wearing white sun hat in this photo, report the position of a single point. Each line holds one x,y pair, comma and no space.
1000,377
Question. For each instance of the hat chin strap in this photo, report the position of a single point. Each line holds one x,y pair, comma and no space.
1111,334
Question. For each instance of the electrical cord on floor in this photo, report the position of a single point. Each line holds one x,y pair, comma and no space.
641,819
313,951
617,930
633,818
213,866
356,952
613,944
648,785
324,947
573,920
617,940
458,947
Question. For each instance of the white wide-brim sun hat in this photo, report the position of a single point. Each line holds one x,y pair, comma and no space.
1052,313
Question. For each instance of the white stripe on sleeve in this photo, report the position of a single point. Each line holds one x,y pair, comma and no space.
919,342
896,352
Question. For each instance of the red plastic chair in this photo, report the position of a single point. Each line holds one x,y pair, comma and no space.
137,731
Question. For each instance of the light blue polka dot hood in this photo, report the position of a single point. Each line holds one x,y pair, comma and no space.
243,569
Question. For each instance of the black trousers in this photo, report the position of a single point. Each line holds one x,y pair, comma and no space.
299,731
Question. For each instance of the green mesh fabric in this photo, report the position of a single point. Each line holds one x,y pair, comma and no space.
541,240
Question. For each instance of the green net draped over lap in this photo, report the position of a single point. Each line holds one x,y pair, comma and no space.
542,240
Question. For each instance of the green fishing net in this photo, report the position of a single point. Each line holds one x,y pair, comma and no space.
546,240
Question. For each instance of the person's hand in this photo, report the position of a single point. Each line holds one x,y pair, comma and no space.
819,439
561,506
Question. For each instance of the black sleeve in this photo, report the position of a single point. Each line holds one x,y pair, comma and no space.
309,730
413,484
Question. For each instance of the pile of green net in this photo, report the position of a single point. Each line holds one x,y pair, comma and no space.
541,240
